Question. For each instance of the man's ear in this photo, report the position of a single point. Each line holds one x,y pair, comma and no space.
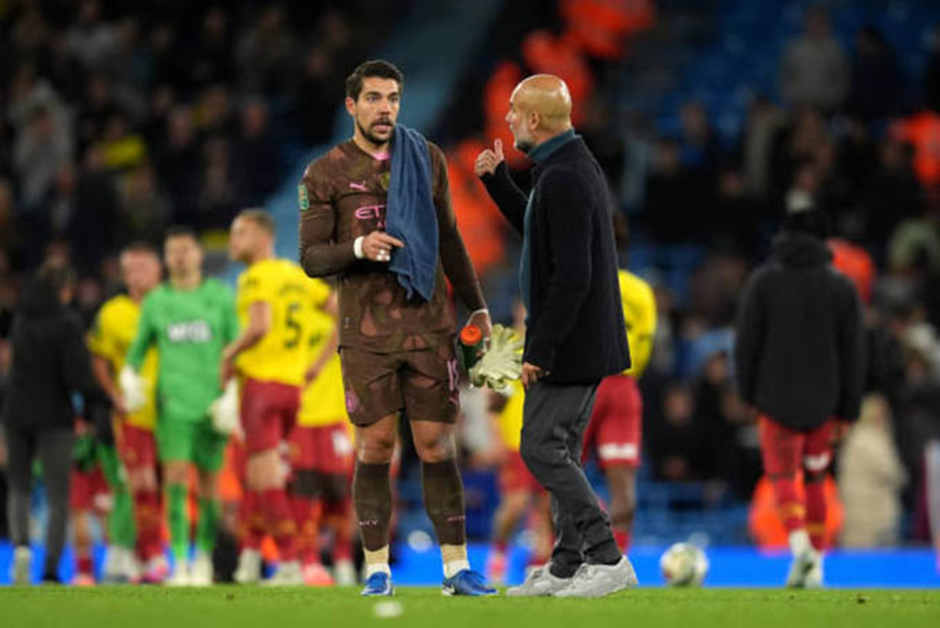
534,120
350,106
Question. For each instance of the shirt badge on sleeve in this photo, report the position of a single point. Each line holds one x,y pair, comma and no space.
303,200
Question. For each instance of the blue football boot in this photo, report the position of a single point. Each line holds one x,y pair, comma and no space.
379,583
467,582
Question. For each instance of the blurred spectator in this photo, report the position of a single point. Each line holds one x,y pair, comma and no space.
178,160
144,208
93,41
256,160
675,437
213,60
264,53
893,196
870,479
814,72
673,212
877,84
41,149
93,228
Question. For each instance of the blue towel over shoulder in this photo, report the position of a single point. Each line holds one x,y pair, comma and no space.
410,215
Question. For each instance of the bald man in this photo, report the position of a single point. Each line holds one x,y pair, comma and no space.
575,333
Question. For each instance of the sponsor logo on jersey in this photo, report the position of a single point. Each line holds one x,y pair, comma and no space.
189,332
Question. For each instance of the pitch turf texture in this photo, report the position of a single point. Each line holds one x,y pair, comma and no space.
143,607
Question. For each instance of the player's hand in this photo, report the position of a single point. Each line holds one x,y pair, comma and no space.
226,370
488,160
120,406
482,321
378,245
531,374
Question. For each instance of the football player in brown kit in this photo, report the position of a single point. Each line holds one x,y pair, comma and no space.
396,347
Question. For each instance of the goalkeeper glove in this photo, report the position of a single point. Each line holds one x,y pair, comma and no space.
134,389
502,361
224,410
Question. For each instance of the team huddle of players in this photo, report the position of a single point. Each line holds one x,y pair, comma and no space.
196,373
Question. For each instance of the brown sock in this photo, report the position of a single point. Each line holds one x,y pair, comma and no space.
372,496
443,499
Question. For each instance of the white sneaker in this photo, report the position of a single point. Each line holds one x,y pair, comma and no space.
601,580
249,567
22,566
112,572
201,574
805,560
182,576
539,582
288,574
344,573
814,579
120,566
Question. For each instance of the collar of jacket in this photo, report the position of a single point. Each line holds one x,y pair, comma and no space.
550,146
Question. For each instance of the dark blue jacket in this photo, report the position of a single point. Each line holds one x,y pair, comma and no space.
575,330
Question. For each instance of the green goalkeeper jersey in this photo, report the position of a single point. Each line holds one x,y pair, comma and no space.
190,330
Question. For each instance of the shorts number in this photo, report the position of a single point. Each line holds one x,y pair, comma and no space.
293,326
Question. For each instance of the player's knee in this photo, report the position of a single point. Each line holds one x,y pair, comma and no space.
535,455
375,448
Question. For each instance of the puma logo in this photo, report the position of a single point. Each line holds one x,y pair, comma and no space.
358,186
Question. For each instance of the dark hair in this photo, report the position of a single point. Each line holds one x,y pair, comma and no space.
181,231
260,217
814,222
56,276
376,68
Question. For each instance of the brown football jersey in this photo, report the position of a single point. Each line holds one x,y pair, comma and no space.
343,196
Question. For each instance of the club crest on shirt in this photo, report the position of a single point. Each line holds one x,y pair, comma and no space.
384,179
303,199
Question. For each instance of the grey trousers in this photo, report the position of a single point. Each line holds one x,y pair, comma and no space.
554,420
54,449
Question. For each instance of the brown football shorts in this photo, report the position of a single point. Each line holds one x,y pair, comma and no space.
422,383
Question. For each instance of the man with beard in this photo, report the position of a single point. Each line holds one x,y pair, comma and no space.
376,212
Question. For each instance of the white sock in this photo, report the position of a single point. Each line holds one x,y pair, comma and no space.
800,545
453,567
375,568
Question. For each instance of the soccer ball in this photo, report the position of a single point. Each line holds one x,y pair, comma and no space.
684,565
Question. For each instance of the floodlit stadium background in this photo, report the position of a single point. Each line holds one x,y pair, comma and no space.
116,122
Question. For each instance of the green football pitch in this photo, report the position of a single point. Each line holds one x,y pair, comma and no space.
145,607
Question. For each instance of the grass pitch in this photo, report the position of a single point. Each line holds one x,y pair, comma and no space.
231,607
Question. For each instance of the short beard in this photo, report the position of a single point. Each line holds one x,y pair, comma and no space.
372,138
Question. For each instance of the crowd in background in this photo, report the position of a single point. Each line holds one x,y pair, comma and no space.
117,122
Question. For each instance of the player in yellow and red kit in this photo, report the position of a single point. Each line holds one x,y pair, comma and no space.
275,301
615,432
322,456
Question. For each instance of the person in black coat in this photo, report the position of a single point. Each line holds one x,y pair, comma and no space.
50,363
575,332
799,359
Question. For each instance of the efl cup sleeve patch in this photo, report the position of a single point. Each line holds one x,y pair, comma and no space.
303,198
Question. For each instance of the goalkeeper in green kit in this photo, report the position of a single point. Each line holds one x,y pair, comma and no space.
190,320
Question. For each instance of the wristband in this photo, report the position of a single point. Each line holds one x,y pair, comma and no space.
482,310
357,248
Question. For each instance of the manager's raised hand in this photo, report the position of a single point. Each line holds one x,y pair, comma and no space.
488,160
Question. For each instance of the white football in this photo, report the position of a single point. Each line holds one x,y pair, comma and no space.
684,565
